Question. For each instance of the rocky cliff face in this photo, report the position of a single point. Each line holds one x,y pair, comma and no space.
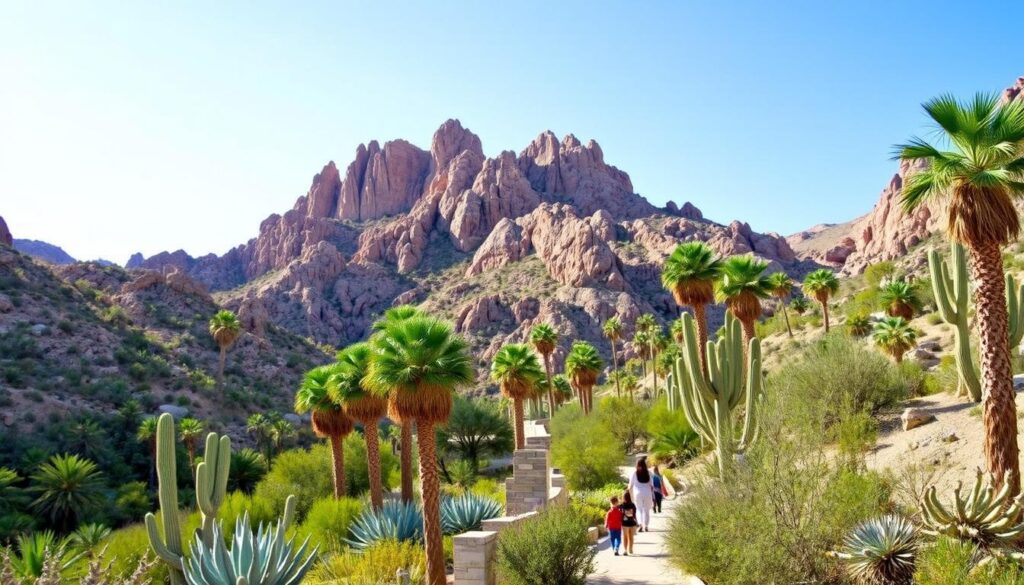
5,234
437,227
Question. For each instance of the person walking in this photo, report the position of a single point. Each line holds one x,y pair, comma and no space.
658,484
613,522
643,494
629,523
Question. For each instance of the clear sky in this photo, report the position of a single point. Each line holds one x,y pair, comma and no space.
149,126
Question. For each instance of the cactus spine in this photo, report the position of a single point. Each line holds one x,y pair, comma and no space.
211,487
709,400
952,295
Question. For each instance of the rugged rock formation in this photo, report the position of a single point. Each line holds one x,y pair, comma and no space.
5,234
43,251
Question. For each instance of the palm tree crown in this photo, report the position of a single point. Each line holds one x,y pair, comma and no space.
399,313
690,273
743,285
583,364
612,329
544,338
517,370
895,336
780,285
900,299
67,487
346,387
225,327
314,397
822,284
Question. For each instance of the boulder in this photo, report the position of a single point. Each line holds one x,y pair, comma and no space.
915,417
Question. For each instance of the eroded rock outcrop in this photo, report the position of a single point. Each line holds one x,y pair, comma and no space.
5,234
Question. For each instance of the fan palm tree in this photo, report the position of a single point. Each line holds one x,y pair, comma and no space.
190,429
329,420
394,315
364,407
979,174
800,305
858,325
642,343
517,372
68,488
146,433
563,389
742,286
895,336
689,274
582,365
612,329
900,299
247,468
281,429
780,285
225,329
647,324
822,284
544,339
417,364
260,427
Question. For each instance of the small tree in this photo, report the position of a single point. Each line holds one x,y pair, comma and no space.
225,329
822,284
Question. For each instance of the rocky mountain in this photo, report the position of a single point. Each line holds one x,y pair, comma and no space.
885,233
553,233
43,251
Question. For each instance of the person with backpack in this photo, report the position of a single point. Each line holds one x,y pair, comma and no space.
629,522
658,483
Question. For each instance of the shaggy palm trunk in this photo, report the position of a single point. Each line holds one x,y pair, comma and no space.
654,367
220,367
551,389
700,316
999,409
517,418
373,464
824,310
338,471
615,367
785,315
748,333
430,487
405,460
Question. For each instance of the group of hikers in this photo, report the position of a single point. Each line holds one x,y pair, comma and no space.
632,514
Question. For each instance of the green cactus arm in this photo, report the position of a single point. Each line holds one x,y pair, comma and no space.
754,389
942,287
203,489
693,361
157,543
223,471
289,511
696,415
1015,306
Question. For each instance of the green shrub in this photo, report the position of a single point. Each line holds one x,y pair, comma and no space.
670,437
328,521
357,475
306,474
587,452
626,420
951,561
550,548
373,566
489,488
237,503
857,434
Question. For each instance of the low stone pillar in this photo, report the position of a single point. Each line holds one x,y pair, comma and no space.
475,558
527,489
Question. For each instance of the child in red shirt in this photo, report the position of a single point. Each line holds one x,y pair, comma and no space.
613,522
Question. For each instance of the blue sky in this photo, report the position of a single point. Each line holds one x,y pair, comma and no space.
152,126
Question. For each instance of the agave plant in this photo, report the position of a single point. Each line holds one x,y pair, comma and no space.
467,512
881,551
985,517
399,521
264,557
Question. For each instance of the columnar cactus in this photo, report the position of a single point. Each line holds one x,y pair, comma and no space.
211,487
952,295
709,400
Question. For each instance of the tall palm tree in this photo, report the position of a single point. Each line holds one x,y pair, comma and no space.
780,285
583,364
544,339
659,343
642,343
612,329
800,305
146,433
742,286
647,324
281,429
517,371
895,336
225,329
362,406
190,429
260,427
394,315
979,174
329,420
900,299
417,363
563,389
690,273
68,488
822,284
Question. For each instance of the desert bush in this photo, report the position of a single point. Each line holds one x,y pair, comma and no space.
625,419
670,437
357,476
951,561
550,548
237,503
373,566
328,521
587,452
489,488
306,474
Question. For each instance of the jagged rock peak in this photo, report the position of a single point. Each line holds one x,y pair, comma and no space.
5,234
450,140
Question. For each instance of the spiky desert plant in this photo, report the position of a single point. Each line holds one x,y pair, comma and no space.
265,556
87,538
41,555
822,284
190,430
405,442
396,521
582,365
978,170
894,336
248,467
465,513
225,328
328,418
781,286
900,299
362,406
987,516
858,325
417,363
66,487
544,339
800,305
612,330
741,288
690,273
517,372
709,400
881,551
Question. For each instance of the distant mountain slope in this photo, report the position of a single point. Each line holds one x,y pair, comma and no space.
43,251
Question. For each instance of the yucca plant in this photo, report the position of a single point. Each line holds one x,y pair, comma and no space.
881,551
401,521
858,325
985,517
36,550
263,557
467,512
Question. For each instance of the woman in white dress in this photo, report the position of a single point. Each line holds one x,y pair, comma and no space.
641,486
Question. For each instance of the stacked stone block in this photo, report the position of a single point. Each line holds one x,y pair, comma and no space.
527,489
